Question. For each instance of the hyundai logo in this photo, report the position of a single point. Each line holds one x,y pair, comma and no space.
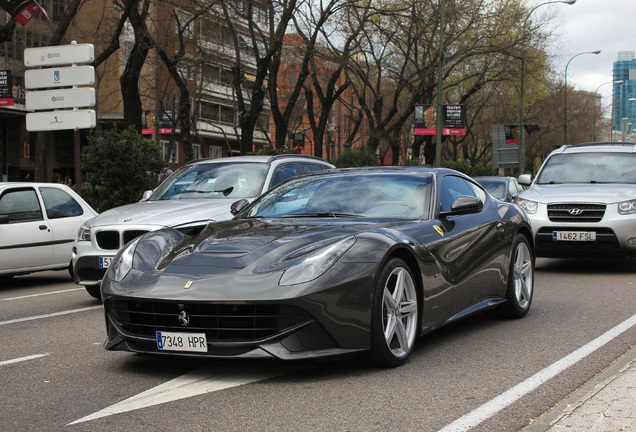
575,211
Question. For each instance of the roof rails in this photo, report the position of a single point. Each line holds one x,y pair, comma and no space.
290,155
599,143
271,158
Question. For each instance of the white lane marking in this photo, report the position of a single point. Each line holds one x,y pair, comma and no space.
21,359
210,378
31,318
41,294
510,396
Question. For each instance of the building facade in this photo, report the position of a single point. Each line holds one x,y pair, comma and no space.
206,70
624,98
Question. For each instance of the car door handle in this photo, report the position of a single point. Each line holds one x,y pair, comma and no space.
43,227
499,226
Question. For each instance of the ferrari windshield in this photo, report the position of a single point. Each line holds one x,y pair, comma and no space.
213,180
349,194
589,168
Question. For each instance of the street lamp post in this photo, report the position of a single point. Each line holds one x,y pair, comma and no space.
595,93
565,92
523,72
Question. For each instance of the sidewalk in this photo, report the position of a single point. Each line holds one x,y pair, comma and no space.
607,403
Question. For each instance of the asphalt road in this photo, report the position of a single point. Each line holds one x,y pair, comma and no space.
480,374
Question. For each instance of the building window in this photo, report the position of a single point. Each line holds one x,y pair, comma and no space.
216,113
196,152
216,152
259,15
185,22
174,156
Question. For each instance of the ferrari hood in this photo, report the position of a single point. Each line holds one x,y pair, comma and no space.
167,213
240,244
574,193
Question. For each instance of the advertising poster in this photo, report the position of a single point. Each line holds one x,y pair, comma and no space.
148,122
6,88
453,120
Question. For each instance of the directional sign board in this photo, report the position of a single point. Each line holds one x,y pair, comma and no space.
60,98
59,77
59,55
61,120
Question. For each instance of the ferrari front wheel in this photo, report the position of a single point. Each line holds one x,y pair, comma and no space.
520,280
394,315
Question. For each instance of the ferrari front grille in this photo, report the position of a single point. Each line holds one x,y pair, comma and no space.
573,213
220,322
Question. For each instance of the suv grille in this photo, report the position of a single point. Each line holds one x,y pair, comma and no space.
110,240
220,322
574,213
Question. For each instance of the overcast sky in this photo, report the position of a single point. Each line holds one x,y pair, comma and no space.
590,25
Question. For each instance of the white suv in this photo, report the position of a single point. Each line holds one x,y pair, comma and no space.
582,202
194,195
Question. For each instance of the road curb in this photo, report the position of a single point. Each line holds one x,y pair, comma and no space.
565,410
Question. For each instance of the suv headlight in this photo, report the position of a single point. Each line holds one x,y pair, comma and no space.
316,262
529,206
84,233
627,207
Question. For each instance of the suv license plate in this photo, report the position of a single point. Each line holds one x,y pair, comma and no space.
171,341
104,262
574,235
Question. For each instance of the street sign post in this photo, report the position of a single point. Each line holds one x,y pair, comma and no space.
61,98
61,120
59,77
57,88
59,55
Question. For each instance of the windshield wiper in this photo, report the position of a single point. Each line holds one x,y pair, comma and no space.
318,214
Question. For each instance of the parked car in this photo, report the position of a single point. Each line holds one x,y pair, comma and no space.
38,224
199,192
502,188
582,202
338,262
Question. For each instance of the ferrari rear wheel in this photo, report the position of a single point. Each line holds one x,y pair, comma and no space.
394,315
520,280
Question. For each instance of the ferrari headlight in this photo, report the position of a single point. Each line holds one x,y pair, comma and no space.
316,262
529,206
123,263
84,233
627,207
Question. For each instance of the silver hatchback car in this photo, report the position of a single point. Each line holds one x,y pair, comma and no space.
194,195
582,202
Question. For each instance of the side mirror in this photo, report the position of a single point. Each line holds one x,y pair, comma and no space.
4,219
237,206
146,195
525,179
464,204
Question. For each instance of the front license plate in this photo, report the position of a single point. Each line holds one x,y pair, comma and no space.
574,235
171,341
104,262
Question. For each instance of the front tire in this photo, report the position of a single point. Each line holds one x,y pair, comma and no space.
94,291
520,280
394,315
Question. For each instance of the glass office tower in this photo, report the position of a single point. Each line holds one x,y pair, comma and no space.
624,100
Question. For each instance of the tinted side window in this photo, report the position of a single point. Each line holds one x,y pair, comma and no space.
21,206
307,167
59,204
453,187
282,173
